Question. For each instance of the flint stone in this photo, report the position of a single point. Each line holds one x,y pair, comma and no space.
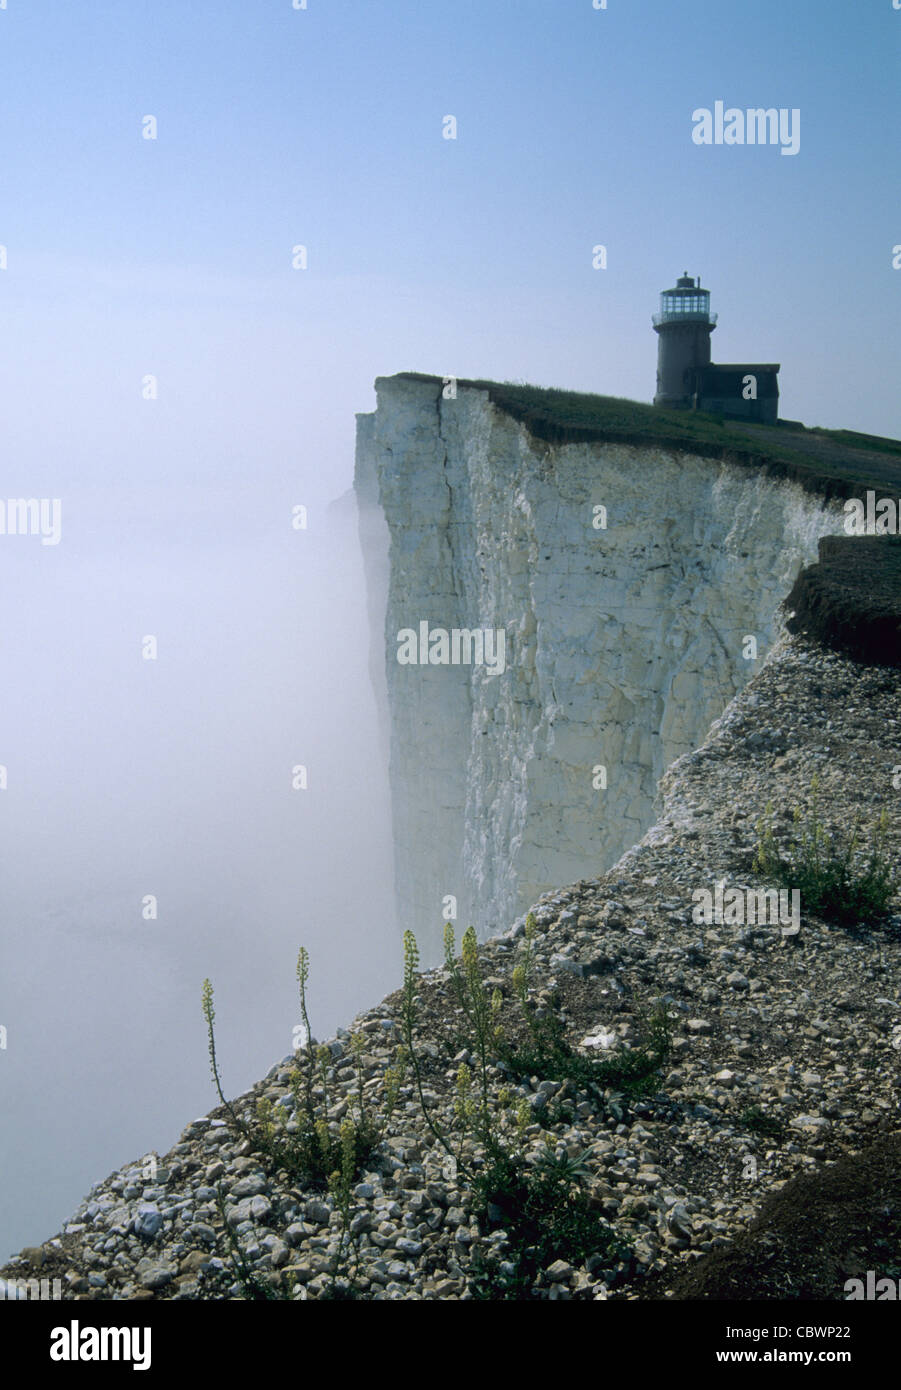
148,1222
250,1209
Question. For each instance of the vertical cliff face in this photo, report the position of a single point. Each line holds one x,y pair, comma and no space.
622,642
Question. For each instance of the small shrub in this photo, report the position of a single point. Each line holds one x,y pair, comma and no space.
841,883
254,1286
409,1026
314,1149
540,1205
546,1215
759,1122
345,1271
549,1055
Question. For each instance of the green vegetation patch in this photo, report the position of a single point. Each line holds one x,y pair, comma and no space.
548,1054
838,879
546,1216
756,1119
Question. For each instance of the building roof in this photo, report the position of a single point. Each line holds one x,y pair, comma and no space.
727,378
742,367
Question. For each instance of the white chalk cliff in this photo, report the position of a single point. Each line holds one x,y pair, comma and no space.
623,643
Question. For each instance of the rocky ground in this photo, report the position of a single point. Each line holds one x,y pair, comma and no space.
778,1110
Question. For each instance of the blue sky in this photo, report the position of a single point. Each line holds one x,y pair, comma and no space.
324,127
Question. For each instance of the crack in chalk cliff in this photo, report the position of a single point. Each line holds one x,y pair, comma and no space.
450,500
716,634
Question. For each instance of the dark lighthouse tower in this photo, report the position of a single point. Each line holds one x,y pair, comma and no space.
683,326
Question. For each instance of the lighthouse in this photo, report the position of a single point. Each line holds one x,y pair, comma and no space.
683,326
686,377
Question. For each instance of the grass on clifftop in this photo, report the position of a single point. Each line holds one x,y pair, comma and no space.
831,463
